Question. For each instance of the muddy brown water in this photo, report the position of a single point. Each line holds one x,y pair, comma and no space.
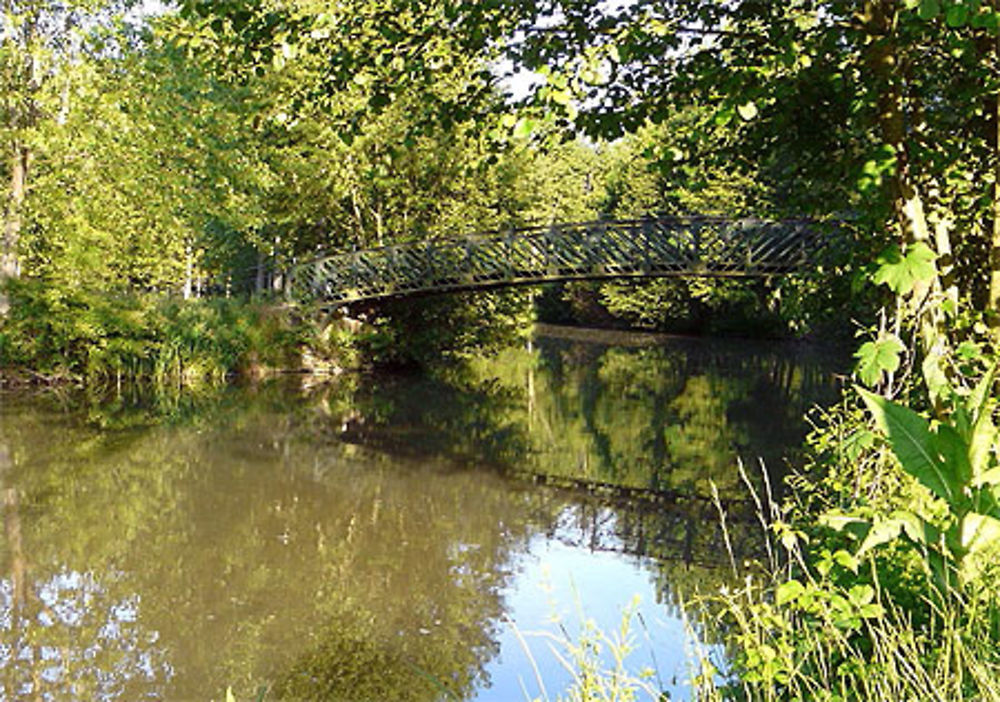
387,538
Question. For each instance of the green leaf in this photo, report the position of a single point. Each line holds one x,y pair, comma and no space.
978,399
911,441
560,97
861,594
789,592
980,537
871,611
953,452
846,560
724,116
979,531
877,357
857,444
957,16
984,436
838,521
524,128
902,273
968,351
915,528
747,111
987,479
882,532
985,498
935,377
981,445
929,9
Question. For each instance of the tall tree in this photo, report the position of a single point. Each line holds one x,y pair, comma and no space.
41,45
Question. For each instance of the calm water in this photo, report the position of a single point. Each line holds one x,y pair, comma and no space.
384,538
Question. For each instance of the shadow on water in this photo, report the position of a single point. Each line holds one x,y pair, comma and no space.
360,540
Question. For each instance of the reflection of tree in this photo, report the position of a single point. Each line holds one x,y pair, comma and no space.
636,434
64,633
702,441
671,417
280,559
76,637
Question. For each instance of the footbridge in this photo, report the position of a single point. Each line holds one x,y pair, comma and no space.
634,248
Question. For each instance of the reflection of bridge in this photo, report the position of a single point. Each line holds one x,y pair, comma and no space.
638,248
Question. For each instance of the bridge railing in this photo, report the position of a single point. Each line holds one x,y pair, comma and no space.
661,246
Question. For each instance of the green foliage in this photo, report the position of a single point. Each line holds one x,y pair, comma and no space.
902,273
436,331
891,553
822,639
712,306
878,357
957,461
101,338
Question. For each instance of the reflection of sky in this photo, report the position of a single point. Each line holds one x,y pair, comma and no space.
96,641
559,584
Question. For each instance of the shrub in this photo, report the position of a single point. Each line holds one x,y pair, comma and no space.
99,337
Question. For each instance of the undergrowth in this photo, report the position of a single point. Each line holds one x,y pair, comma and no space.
883,581
55,335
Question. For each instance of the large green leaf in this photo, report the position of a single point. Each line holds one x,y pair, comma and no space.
901,273
981,444
980,537
911,441
936,377
899,523
789,592
877,357
883,531
950,447
981,394
983,438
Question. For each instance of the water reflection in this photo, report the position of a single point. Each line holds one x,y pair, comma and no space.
671,419
364,540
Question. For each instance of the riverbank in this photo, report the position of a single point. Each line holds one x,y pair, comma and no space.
58,337
55,337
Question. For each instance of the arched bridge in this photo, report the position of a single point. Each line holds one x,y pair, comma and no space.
636,248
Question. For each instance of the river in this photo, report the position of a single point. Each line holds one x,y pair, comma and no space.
391,537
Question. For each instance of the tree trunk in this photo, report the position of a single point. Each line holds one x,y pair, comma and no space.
188,272
10,266
12,534
885,62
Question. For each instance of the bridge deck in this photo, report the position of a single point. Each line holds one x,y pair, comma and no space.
649,247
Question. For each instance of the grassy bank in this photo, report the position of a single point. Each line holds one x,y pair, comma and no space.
56,336
884,577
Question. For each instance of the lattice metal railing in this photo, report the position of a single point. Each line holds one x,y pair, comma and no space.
649,247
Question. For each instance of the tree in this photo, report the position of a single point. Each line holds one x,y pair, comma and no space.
42,46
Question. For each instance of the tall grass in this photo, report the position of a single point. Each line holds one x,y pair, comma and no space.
818,623
58,335
792,650
597,662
